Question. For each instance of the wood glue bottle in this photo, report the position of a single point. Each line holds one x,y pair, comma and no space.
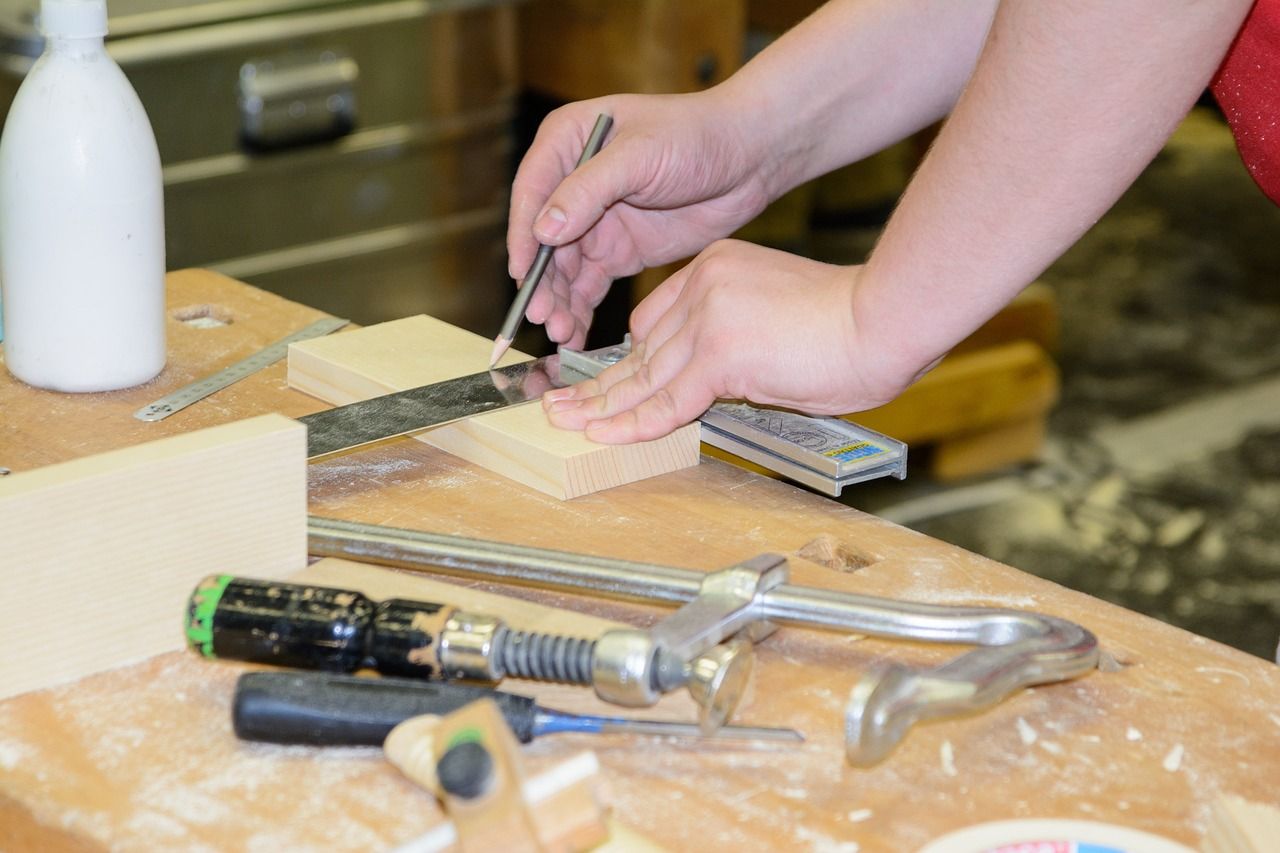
81,216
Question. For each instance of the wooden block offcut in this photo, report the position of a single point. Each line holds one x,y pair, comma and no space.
100,554
517,442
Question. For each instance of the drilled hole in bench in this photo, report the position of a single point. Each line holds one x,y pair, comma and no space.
827,550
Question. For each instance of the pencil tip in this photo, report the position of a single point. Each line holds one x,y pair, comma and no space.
500,345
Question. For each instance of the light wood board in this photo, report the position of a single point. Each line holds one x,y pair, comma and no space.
517,442
101,553
1240,826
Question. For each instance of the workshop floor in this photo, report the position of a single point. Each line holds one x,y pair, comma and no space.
1160,487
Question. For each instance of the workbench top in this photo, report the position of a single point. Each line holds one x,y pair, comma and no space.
142,757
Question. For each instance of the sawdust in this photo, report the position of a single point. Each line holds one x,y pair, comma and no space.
150,785
947,758
1026,732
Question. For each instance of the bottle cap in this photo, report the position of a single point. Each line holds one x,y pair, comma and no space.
73,18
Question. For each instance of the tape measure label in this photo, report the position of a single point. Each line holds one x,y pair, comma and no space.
857,450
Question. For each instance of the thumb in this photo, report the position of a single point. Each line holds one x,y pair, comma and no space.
584,195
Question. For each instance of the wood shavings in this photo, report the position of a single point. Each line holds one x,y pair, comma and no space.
947,756
1026,733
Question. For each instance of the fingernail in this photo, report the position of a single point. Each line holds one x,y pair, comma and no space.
595,429
550,223
559,407
558,394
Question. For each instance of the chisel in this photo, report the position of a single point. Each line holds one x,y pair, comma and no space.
324,709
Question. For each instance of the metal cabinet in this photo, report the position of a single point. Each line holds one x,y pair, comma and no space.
352,155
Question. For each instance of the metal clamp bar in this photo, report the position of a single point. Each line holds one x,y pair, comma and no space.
1015,648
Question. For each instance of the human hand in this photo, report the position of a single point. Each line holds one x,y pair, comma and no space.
739,322
676,173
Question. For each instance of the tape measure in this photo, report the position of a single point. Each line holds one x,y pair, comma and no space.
198,390
825,454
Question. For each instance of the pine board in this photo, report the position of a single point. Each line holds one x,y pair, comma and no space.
101,553
517,442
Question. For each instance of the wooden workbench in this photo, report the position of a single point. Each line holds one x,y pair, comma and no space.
143,757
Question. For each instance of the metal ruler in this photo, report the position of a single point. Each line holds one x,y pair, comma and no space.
825,454
198,390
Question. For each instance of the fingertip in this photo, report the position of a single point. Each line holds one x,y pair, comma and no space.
549,225
560,407
555,395
606,431
559,327
571,418
539,309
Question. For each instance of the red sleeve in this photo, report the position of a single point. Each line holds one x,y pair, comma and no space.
1247,87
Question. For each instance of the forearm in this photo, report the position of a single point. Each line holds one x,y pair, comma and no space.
1068,103
852,79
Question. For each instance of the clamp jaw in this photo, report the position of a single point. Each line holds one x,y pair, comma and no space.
688,648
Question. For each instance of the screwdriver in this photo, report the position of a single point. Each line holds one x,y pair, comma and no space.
325,709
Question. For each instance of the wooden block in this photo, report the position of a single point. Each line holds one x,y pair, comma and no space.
778,16
980,452
565,803
577,49
102,552
518,442
1031,316
498,818
969,392
1239,826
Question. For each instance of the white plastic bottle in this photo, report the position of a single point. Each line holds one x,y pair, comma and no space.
81,216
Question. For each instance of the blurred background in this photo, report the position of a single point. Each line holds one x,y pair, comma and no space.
1116,429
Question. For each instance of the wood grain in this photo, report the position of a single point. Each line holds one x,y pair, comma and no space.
577,49
1239,826
105,550
517,442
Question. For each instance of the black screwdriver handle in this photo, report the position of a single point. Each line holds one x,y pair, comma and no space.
324,709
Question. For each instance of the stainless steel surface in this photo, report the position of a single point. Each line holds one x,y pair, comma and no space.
804,448
664,728
297,99
401,211
718,680
728,601
622,668
390,415
466,647
414,409
515,314
176,401
1015,648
